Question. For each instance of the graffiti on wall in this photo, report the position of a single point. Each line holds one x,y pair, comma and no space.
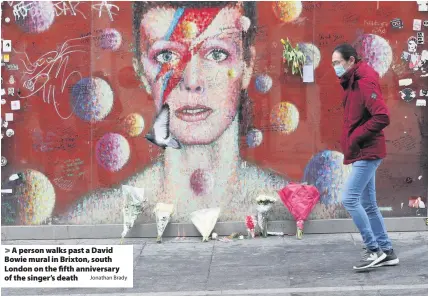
91,89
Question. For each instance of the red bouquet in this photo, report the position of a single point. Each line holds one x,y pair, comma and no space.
249,221
300,199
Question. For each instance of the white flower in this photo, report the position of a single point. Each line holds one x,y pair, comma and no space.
264,199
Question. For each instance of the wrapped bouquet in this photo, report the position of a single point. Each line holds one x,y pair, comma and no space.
134,203
300,199
163,214
264,206
205,220
250,222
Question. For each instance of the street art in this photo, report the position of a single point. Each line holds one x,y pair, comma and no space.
93,76
49,75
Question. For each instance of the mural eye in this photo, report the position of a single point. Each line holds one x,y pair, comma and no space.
166,56
217,55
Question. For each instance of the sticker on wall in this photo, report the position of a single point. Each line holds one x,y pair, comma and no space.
420,37
425,23
3,92
3,161
405,56
14,177
15,105
408,94
421,103
11,79
397,23
417,25
413,58
10,132
418,202
3,101
5,58
423,93
9,117
424,63
7,45
5,124
422,5
12,67
405,82
11,91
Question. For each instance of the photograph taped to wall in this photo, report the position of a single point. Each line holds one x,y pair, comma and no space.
417,202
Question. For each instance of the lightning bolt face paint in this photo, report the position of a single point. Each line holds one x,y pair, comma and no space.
185,26
193,60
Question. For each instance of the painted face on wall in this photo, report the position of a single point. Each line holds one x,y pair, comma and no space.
192,59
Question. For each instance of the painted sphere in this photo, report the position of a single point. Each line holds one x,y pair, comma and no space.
40,16
110,39
112,152
312,53
36,198
287,11
254,138
376,51
263,83
284,118
133,124
327,173
92,99
201,182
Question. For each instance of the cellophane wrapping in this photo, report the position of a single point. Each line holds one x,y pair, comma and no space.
134,203
163,214
205,220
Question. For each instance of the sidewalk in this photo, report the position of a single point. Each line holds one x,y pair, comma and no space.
317,265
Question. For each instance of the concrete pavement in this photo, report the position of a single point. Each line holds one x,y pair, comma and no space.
317,265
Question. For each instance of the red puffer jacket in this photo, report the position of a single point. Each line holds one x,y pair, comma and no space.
366,115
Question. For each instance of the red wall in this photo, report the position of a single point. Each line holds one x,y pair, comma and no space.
325,24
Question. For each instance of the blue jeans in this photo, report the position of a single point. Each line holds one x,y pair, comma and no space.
359,199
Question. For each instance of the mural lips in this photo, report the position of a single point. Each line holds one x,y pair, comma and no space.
193,113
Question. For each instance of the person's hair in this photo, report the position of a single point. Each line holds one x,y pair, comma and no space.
347,51
140,8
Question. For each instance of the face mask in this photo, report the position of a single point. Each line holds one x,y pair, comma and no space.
340,70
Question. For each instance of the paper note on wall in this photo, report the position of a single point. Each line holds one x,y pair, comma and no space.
405,82
308,73
9,117
417,25
15,105
421,102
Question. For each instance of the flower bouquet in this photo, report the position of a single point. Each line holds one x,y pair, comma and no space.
294,56
300,199
133,205
250,222
205,220
264,206
163,213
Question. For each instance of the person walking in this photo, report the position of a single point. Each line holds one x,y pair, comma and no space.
363,145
